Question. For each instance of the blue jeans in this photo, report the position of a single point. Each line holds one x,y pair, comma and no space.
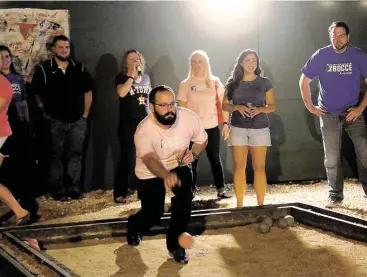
331,128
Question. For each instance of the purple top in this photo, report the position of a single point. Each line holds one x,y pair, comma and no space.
339,77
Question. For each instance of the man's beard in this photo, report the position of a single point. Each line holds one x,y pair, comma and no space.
62,58
163,120
340,48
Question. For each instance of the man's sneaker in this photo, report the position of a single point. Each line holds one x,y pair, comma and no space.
75,194
61,197
223,194
180,256
334,201
133,239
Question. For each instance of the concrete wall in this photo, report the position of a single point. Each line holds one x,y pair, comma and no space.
284,33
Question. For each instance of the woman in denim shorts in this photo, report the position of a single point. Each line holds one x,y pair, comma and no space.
249,97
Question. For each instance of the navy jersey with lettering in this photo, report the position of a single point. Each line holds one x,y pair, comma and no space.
16,110
134,106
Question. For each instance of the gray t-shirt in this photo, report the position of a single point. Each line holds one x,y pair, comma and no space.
253,92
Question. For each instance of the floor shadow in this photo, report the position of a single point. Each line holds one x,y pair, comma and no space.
352,210
128,255
201,205
170,268
105,116
278,138
205,204
282,253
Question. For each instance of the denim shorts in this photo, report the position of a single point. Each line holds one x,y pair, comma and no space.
250,137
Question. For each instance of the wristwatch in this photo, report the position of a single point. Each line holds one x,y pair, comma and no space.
130,77
195,155
227,123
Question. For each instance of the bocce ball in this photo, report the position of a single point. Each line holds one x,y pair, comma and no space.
263,228
185,240
282,223
268,220
290,220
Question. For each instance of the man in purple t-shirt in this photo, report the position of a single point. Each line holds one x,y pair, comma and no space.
340,67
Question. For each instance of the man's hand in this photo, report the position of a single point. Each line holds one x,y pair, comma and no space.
225,131
171,180
187,158
316,110
353,113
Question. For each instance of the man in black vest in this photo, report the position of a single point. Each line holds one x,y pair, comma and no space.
62,88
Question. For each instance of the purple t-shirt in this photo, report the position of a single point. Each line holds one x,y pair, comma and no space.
339,77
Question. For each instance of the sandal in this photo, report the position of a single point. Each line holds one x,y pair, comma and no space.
120,199
25,220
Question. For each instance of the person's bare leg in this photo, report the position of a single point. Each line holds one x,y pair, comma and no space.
239,154
258,154
8,199
2,157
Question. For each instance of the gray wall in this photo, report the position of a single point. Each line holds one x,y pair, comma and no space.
284,33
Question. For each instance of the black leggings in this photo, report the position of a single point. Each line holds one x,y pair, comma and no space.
212,151
125,178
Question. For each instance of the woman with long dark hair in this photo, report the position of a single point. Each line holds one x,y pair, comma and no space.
22,216
18,108
249,97
133,87
20,144
200,92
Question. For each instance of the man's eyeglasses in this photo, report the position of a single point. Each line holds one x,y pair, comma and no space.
166,105
339,36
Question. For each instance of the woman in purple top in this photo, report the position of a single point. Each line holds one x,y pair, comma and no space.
249,97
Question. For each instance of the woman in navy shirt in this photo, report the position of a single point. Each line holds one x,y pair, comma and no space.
250,98
133,87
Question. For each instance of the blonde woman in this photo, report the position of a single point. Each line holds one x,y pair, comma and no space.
199,93
250,98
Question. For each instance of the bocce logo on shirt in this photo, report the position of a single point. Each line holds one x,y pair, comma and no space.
172,142
341,68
